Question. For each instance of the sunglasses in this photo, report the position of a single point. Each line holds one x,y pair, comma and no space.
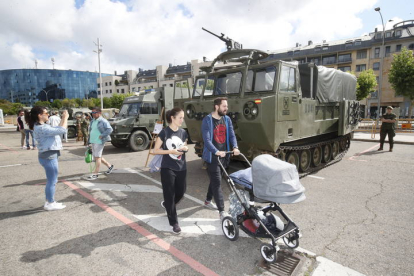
94,112
47,113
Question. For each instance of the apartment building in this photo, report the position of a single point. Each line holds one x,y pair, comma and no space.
359,54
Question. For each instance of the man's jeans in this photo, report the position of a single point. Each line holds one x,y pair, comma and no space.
28,133
51,167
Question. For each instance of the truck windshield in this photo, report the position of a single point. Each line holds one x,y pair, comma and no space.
130,109
261,80
198,87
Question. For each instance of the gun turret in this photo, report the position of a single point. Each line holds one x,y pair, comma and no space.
230,43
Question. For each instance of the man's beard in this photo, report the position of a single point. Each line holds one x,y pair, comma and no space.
221,113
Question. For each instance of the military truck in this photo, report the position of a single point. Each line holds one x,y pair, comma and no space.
138,115
304,114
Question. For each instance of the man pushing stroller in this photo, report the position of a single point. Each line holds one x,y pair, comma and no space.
219,137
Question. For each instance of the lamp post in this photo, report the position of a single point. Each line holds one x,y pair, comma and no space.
382,53
99,64
46,93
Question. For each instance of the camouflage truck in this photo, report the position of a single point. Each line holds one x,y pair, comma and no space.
304,114
138,115
73,113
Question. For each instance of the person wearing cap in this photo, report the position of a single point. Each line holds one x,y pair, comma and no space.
388,120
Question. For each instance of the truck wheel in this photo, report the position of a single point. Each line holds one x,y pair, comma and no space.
118,144
293,158
327,153
71,132
335,149
138,141
316,156
305,160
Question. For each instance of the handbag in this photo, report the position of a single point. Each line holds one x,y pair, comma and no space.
88,156
155,164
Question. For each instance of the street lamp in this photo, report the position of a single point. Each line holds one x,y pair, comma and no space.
46,92
100,75
382,53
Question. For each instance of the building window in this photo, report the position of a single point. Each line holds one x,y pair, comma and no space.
117,91
110,83
328,60
378,36
345,68
348,45
376,66
315,60
122,90
361,67
106,84
99,85
411,46
357,42
171,85
377,53
110,91
398,33
388,34
344,58
362,54
106,91
387,51
325,48
398,48
317,49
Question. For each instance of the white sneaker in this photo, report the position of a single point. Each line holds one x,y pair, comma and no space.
53,206
210,205
223,214
92,177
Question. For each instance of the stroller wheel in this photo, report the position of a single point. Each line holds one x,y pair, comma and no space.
291,240
268,252
230,228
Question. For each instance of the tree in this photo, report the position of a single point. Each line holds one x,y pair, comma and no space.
106,102
118,99
10,108
401,75
57,104
42,103
366,82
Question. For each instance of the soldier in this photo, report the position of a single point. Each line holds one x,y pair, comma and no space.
78,128
85,128
387,127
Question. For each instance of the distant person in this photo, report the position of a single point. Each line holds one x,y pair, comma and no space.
28,133
78,122
171,142
85,128
49,144
54,120
218,137
99,134
20,127
387,128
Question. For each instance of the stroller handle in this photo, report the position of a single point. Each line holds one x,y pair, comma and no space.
231,152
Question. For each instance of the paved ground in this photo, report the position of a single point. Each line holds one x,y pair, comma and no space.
358,213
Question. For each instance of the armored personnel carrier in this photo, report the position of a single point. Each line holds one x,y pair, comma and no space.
303,114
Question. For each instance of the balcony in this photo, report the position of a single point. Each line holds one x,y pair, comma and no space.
344,60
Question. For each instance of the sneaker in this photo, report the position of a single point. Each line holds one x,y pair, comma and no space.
24,147
223,214
380,149
176,229
391,150
163,204
210,205
28,148
34,148
53,206
109,169
92,177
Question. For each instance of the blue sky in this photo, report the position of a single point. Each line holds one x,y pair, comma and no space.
143,34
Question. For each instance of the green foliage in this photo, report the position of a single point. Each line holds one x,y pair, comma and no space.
401,75
116,82
366,83
10,108
118,99
106,103
57,104
43,103
69,103
78,102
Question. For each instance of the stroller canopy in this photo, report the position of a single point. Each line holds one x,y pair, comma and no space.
276,180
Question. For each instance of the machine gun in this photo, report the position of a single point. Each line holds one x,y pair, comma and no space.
230,43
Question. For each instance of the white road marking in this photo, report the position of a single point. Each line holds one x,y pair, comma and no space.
120,187
10,165
196,200
314,176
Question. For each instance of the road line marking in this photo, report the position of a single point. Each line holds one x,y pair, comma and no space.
150,236
360,153
8,148
120,187
10,165
314,176
159,183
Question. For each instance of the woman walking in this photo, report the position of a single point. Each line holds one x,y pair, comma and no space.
49,144
171,142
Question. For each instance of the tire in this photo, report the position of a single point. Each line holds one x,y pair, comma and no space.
305,160
230,228
316,156
268,252
71,132
335,149
293,158
119,145
326,153
138,141
291,240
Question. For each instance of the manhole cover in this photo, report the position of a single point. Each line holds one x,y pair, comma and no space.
287,263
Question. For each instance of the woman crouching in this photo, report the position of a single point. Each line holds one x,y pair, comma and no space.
49,144
171,142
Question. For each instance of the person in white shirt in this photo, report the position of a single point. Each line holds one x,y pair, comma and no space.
54,120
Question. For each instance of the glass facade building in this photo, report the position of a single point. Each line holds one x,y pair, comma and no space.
30,85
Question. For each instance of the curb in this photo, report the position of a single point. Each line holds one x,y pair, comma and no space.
375,140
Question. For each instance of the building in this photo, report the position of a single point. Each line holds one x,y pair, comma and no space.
28,86
359,54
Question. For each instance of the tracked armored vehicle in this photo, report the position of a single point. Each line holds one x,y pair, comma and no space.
304,114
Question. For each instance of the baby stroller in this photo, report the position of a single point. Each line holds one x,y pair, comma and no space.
270,181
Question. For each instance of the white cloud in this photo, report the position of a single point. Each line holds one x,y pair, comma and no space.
144,34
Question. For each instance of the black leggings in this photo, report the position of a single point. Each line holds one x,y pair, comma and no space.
174,185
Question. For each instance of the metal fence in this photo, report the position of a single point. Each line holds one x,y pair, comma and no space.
374,126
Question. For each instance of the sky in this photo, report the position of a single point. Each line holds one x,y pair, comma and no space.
146,33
